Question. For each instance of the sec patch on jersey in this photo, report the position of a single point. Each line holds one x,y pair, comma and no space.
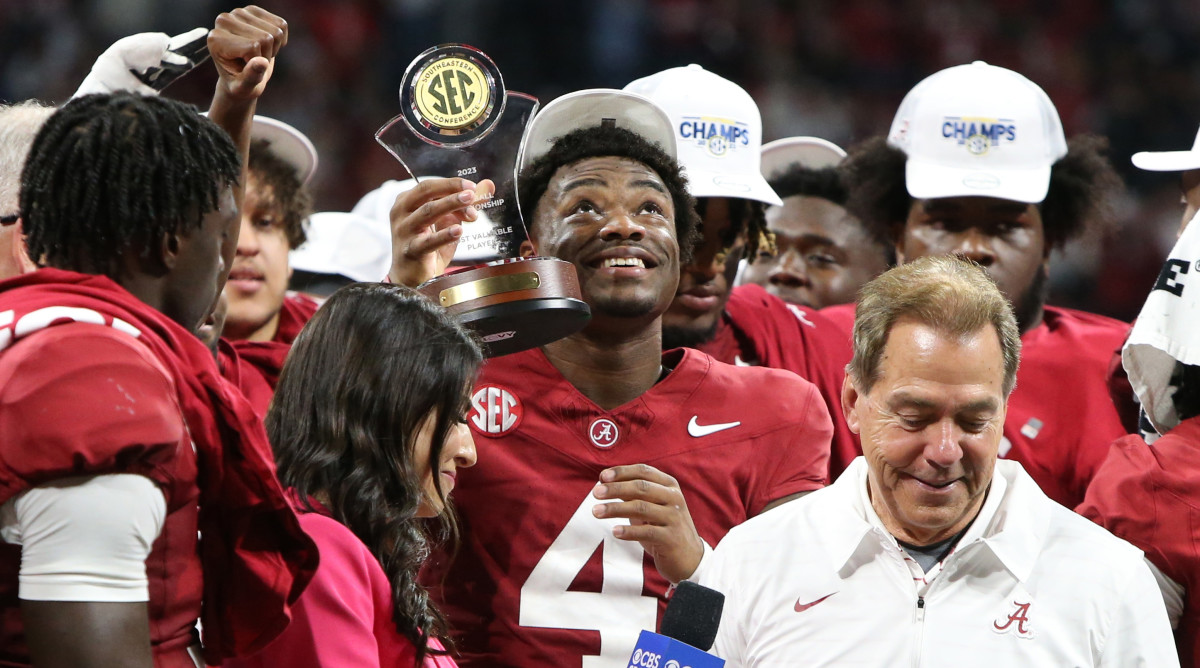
496,411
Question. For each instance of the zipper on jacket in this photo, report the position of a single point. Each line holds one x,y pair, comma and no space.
919,619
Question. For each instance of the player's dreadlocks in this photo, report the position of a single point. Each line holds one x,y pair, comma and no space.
287,191
745,216
603,140
1082,185
112,172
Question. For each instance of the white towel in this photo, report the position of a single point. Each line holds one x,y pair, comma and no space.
1167,331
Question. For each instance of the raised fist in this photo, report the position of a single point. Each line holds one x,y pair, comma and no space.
243,46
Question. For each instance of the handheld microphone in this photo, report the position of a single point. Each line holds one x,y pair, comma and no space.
689,627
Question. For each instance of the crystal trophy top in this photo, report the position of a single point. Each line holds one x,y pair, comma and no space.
457,119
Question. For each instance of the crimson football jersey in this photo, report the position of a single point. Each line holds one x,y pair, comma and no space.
245,377
80,398
841,315
759,329
539,581
94,381
1150,496
1061,418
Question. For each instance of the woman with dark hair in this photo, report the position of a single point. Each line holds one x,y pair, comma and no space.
368,430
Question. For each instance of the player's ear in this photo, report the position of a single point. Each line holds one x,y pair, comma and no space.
850,399
169,247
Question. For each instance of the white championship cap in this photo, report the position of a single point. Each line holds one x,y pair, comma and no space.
1169,161
346,244
288,143
594,106
718,129
811,152
978,129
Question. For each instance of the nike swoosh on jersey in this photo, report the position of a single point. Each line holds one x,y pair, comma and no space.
801,607
697,430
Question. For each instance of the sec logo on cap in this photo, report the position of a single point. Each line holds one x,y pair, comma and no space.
495,411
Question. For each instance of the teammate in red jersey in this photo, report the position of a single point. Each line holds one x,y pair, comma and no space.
549,574
718,132
263,319
1147,495
823,254
120,441
1005,193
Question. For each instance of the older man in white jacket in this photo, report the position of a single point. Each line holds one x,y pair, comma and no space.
928,551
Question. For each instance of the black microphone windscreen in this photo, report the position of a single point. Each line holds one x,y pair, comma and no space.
693,615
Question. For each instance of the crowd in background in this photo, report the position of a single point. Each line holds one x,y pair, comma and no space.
1127,70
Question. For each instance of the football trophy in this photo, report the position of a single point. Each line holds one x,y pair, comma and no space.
457,119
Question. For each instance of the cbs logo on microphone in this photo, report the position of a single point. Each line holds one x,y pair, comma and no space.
643,659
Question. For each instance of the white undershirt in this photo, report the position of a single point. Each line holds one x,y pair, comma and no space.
85,538
1172,593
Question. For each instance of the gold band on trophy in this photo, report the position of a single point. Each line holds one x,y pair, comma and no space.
486,287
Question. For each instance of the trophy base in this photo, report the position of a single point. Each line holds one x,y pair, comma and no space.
515,326
513,305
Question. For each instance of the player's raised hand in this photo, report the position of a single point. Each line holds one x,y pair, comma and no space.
243,45
427,223
658,517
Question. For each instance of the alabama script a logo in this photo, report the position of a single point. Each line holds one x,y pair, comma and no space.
1015,622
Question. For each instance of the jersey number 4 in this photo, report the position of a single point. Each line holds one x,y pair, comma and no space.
619,612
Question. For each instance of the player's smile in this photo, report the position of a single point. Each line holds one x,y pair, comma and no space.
624,262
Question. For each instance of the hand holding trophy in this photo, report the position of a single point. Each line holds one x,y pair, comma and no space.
460,130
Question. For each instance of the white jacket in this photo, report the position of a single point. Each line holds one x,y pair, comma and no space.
820,582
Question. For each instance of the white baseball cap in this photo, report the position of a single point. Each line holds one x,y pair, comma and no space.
285,141
346,244
1169,161
586,108
978,129
718,129
811,152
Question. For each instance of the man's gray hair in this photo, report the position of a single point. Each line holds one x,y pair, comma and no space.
946,292
19,124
